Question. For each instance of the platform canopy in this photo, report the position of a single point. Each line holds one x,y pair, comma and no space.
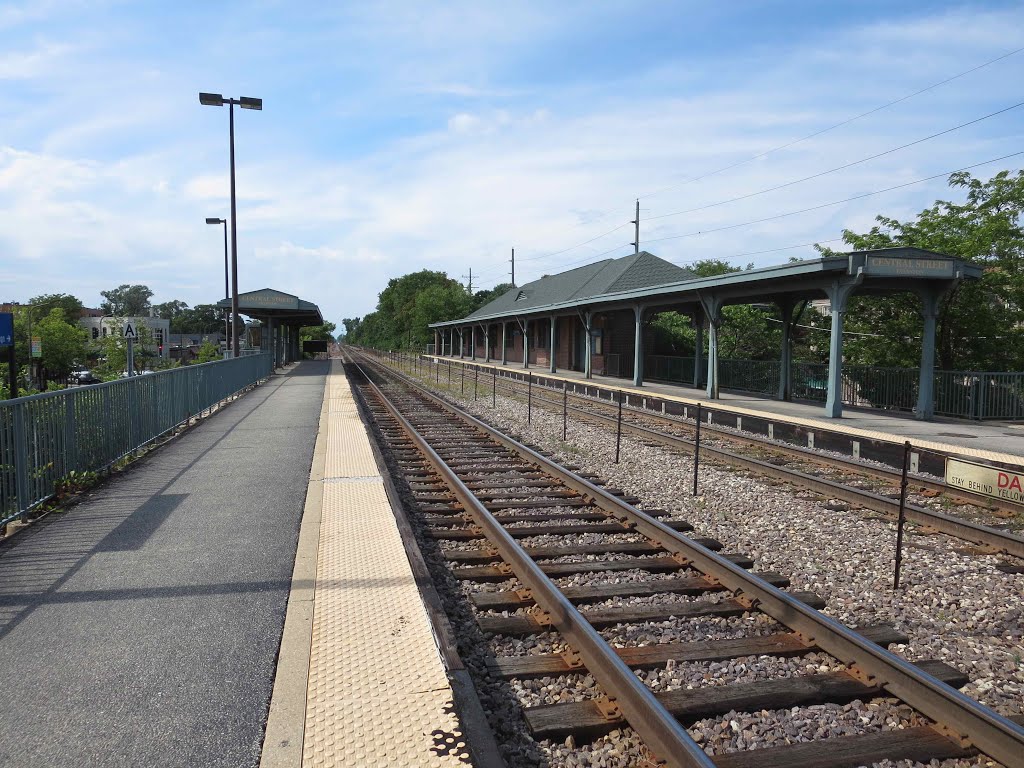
268,303
563,316
281,314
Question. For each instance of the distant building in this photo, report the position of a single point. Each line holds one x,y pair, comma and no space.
99,326
185,346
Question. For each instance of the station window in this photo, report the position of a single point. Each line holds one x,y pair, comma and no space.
543,333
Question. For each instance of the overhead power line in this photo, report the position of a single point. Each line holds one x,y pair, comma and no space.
833,127
773,250
839,167
834,202
781,147
578,245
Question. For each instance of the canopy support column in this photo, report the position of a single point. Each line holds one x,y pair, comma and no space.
588,351
487,343
930,298
553,325
789,320
525,326
712,306
838,295
638,346
698,347
504,339
272,343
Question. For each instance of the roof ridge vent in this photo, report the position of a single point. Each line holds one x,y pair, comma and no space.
521,295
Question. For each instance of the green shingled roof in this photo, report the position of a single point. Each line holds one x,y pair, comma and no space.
640,270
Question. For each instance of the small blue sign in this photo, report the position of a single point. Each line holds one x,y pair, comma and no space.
6,329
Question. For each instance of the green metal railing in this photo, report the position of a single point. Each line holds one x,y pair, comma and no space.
45,437
961,394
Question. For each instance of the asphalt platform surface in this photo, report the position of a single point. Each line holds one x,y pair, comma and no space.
141,627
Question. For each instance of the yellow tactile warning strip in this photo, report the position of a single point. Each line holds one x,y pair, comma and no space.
822,424
377,693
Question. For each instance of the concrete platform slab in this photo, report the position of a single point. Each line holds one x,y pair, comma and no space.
141,627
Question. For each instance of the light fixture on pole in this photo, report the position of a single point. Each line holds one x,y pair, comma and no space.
245,102
227,333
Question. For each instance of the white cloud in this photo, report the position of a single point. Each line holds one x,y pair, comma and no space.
329,210
25,65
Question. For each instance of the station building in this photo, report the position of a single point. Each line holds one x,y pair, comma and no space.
593,319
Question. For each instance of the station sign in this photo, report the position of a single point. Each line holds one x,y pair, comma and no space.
268,299
6,329
37,347
998,483
895,266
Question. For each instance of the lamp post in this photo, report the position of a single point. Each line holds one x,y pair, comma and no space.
227,333
245,102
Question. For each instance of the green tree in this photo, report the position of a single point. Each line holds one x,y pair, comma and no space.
208,352
112,352
405,308
323,332
480,298
202,318
64,344
979,322
171,310
127,300
748,331
70,306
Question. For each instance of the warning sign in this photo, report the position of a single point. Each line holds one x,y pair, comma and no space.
129,331
990,481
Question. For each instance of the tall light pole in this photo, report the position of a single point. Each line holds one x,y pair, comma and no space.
227,334
245,102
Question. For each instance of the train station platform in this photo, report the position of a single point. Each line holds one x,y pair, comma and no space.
996,441
239,597
141,626
360,679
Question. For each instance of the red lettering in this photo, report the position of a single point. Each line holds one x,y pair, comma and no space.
1015,484
1011,483
1004,479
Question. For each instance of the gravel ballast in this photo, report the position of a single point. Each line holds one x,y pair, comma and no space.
954,605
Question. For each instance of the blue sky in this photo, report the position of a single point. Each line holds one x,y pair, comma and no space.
399,136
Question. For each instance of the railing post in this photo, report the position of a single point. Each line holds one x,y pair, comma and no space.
70,434
565,410
696,451
529,398
618,429
901,517
20,459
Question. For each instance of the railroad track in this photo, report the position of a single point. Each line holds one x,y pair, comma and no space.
543,549
799,466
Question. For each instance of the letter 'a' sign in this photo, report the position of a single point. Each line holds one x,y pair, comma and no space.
130,331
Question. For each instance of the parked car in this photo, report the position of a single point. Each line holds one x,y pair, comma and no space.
84,376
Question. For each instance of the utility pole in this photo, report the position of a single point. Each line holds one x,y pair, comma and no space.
636,229
470,281
513,267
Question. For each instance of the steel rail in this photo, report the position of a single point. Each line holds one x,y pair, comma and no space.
660,731
839,462
853,465
960,717
999,541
